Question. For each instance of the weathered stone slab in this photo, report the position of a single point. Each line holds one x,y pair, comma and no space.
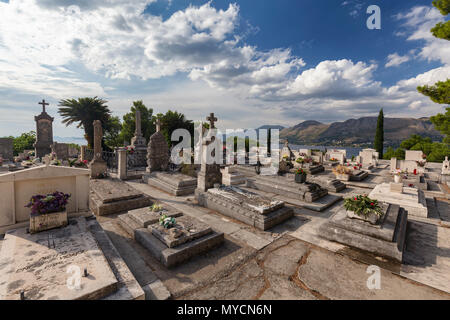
108,190
40,264
330,184
173,256
185,230
387,238
248,200
308,192
174,183
113,196
411,199
41,222
228,206
359,175
145,217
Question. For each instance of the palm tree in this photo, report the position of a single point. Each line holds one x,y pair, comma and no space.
84,111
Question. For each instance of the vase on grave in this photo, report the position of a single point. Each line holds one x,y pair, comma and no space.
48,211
300,176
397,178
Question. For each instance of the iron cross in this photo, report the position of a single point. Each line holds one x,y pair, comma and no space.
43,103
211,120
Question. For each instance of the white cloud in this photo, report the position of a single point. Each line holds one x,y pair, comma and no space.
417,23
395,60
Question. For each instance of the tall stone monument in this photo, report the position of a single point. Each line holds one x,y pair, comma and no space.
44,132
157,151
98,165
139,157
209,174
6,149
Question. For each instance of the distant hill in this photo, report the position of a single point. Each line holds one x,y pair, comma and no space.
268,126
358,131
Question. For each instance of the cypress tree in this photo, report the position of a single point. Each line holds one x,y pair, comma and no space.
379,135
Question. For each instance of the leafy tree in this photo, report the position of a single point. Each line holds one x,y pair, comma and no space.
129,122
23,142
379,134
84,111
442,123
442,29
171,121
392,153
439,92
112,135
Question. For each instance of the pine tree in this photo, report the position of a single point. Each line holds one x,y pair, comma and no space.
379,135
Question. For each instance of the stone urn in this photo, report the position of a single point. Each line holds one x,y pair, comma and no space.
397,178
372,217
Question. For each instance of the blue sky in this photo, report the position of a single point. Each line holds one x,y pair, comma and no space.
250,62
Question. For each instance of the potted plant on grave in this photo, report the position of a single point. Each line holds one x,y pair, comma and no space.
48,211
167,222
398,176
334,160
363,208
342,173
130,149
300,175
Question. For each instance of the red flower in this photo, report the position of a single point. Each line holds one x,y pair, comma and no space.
372,204
356,198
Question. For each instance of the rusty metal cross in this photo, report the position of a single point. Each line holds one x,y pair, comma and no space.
211,120
43,103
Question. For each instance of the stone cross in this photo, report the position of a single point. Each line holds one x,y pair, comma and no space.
138,131
43,103
158,125
98,135
211,120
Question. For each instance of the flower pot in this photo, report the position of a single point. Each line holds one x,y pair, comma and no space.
372,217
42,222
397,178
300,178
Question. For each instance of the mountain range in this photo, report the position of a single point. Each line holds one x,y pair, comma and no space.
358,132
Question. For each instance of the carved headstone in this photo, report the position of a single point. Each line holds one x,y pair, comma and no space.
98,165
139,157
6,148
209,174
157,151
61,150
44,132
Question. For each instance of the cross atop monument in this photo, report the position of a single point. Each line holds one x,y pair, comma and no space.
158,125
43,103
211,120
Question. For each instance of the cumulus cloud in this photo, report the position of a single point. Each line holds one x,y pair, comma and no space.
417,24
395,60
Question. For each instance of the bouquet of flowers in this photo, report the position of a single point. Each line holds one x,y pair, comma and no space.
167,222
300,171
54,202
130,149
156,207
340,169
334,160
362,205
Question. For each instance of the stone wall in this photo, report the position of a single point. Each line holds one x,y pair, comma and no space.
16,189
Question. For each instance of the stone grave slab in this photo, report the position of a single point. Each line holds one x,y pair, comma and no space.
359,175
260,212
112,196
143,217
330,184
386,238
411,199
38,264
314,168
185,230
231,177
174,183
307,192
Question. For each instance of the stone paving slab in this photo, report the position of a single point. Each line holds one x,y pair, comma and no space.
38,264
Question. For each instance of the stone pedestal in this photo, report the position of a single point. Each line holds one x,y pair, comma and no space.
396,187
175,183
446,167
231,177
386,238
98,165
122,163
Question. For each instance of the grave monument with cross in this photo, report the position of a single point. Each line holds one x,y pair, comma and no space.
139,143
157,151
44,132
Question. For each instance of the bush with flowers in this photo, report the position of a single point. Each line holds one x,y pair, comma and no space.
130,149
362,205
43,204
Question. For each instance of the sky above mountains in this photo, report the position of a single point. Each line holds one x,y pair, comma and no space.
250,62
